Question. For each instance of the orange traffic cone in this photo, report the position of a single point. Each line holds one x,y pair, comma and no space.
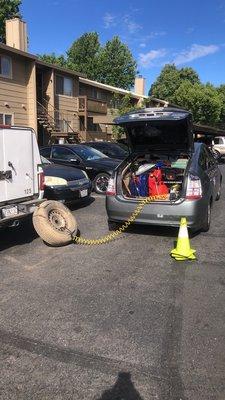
183,250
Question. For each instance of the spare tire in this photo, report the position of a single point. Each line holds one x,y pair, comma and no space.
54,223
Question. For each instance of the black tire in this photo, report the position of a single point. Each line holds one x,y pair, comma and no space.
54,223
216,154
219,192
101,182
207,219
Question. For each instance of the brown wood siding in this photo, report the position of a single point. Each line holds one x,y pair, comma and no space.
67,107
31,96
14,91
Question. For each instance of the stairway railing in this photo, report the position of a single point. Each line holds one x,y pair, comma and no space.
61,117
50,118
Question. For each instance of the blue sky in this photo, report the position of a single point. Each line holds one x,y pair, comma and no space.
187,33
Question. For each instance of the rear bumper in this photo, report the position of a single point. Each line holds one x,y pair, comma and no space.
24,209
66,193
120,209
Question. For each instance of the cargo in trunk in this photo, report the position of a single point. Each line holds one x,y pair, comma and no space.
160,178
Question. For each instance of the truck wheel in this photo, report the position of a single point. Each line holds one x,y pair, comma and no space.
54,223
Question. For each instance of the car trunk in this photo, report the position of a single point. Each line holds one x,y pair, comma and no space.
161,143
160,177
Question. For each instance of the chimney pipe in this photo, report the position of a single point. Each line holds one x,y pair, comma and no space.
139,85
16,34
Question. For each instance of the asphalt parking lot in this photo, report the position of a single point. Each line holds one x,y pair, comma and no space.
112,322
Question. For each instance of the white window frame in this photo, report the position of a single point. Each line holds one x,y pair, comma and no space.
4,114
10,62
64,77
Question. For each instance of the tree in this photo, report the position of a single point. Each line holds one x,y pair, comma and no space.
221,92
53,59
169,81
116,65
203,101
83,55
122,105
8,9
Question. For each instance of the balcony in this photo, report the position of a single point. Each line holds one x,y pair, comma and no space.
86,105
85,136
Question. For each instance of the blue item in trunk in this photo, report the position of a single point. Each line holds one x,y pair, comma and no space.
143,185
133,186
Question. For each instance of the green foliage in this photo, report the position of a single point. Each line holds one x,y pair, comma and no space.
83,54
170,80
53,59
120,106
112,64
8,9
116,65
203,100
221,92
184,88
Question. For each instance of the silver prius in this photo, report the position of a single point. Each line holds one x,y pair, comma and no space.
181,177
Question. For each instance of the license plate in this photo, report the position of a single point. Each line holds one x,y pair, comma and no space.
10,211
83,193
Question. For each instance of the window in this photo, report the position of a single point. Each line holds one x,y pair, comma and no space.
68,87
88,153
5,66
101,95
64,85
93,92
45,152
5,119
62,153
91,126
218,141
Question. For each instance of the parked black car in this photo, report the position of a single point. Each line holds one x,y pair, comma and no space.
65,183
110,149
97,165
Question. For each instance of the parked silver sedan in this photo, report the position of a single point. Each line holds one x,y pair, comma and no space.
182,177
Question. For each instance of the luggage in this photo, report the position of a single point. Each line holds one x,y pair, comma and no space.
156,186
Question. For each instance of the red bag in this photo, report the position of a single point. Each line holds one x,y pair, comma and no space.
156,186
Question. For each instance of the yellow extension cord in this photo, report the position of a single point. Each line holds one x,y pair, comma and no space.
114,235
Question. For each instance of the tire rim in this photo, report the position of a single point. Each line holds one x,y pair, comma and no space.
102,183
57,220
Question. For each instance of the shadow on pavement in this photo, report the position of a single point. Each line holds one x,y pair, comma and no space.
20,235
122,390
153,230
80,204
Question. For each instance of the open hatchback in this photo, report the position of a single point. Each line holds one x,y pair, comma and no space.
165,165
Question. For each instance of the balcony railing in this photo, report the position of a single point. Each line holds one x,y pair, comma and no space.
93,135
86,104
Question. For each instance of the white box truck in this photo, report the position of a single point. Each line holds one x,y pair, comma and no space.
21,175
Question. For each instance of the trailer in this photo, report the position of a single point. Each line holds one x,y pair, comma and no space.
21,174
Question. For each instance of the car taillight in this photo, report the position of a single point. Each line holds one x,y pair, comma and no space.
111,189
41,179
194,188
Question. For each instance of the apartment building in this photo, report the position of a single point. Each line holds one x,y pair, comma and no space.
57,103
